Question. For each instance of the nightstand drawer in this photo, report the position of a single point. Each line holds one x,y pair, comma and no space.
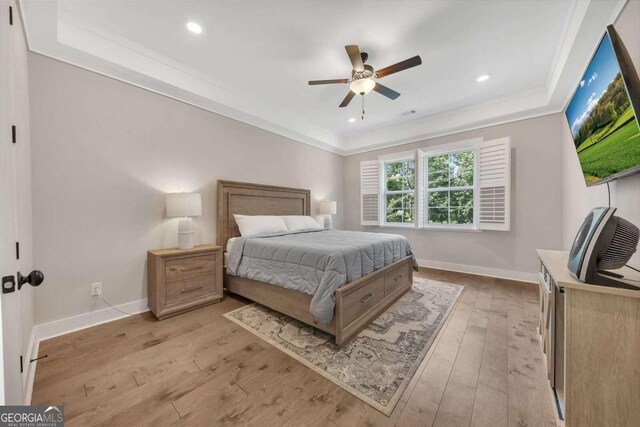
185,290
183,279
184,268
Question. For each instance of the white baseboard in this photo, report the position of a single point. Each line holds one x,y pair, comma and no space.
480,271
71,324
86,320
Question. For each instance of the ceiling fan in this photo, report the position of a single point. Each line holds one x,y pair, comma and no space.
363,75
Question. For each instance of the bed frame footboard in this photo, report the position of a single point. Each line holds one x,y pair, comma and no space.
357,303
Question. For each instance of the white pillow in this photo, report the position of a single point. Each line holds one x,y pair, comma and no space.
301,223
252,225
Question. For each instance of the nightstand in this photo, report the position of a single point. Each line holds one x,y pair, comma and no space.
179,280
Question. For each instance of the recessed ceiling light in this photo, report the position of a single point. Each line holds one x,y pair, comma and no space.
194,28
352,120
483,78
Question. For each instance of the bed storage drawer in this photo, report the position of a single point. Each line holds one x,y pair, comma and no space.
362,299
185,290
396,278
184,268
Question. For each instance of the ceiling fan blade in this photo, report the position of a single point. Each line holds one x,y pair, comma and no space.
354,55
400,66
383,90
347,99
327,82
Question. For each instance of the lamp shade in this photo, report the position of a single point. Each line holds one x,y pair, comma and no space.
183,204
328,207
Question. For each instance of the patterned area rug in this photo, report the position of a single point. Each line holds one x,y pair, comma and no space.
379,363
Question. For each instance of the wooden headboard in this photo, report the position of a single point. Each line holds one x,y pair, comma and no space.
256,199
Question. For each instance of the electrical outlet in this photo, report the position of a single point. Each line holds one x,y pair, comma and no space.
96,289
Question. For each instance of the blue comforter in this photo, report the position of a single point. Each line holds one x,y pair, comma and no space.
315,262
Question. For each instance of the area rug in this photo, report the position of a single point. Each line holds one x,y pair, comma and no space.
379,363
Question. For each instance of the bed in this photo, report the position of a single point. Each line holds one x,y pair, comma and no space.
372,285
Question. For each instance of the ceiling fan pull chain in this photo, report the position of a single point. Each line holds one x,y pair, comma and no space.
362,118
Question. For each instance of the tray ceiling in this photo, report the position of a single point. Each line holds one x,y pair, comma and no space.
253,59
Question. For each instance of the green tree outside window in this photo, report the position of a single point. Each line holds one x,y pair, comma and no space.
400,178
450,188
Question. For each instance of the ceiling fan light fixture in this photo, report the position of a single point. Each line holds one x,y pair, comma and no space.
362,86
363,75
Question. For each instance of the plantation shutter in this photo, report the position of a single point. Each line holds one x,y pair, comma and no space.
494,179
421,174
370,192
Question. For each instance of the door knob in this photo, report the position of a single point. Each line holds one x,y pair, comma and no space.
35,278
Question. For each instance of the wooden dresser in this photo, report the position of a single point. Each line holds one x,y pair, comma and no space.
183,279
591,337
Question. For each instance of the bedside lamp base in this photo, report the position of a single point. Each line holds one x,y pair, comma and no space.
325,221
185,233
328,222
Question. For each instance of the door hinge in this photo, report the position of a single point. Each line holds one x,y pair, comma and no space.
21,365
17,250
13,133
10,15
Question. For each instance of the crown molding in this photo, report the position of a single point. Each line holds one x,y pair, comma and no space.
66,38
493,112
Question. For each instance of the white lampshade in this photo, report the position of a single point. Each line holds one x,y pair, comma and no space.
328,207
362,86
183,204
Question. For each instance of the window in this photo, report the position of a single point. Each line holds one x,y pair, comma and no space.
450,188
464,185
399,191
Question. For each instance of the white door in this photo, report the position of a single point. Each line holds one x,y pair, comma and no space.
15,207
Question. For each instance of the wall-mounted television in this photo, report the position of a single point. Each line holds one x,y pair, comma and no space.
603,114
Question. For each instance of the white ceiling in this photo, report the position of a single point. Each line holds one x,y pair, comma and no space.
254,58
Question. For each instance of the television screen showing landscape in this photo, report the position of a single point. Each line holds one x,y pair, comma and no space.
602,121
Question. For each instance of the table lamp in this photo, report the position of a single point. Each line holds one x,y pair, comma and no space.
184,205
328,208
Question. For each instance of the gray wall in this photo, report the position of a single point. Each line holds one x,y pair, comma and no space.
536,220
625,192
105,152
104,155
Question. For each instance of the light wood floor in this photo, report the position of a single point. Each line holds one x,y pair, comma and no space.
198,368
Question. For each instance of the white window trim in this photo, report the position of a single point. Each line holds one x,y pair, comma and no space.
492,176
453,146
418,155
457,147
396,157
402,155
